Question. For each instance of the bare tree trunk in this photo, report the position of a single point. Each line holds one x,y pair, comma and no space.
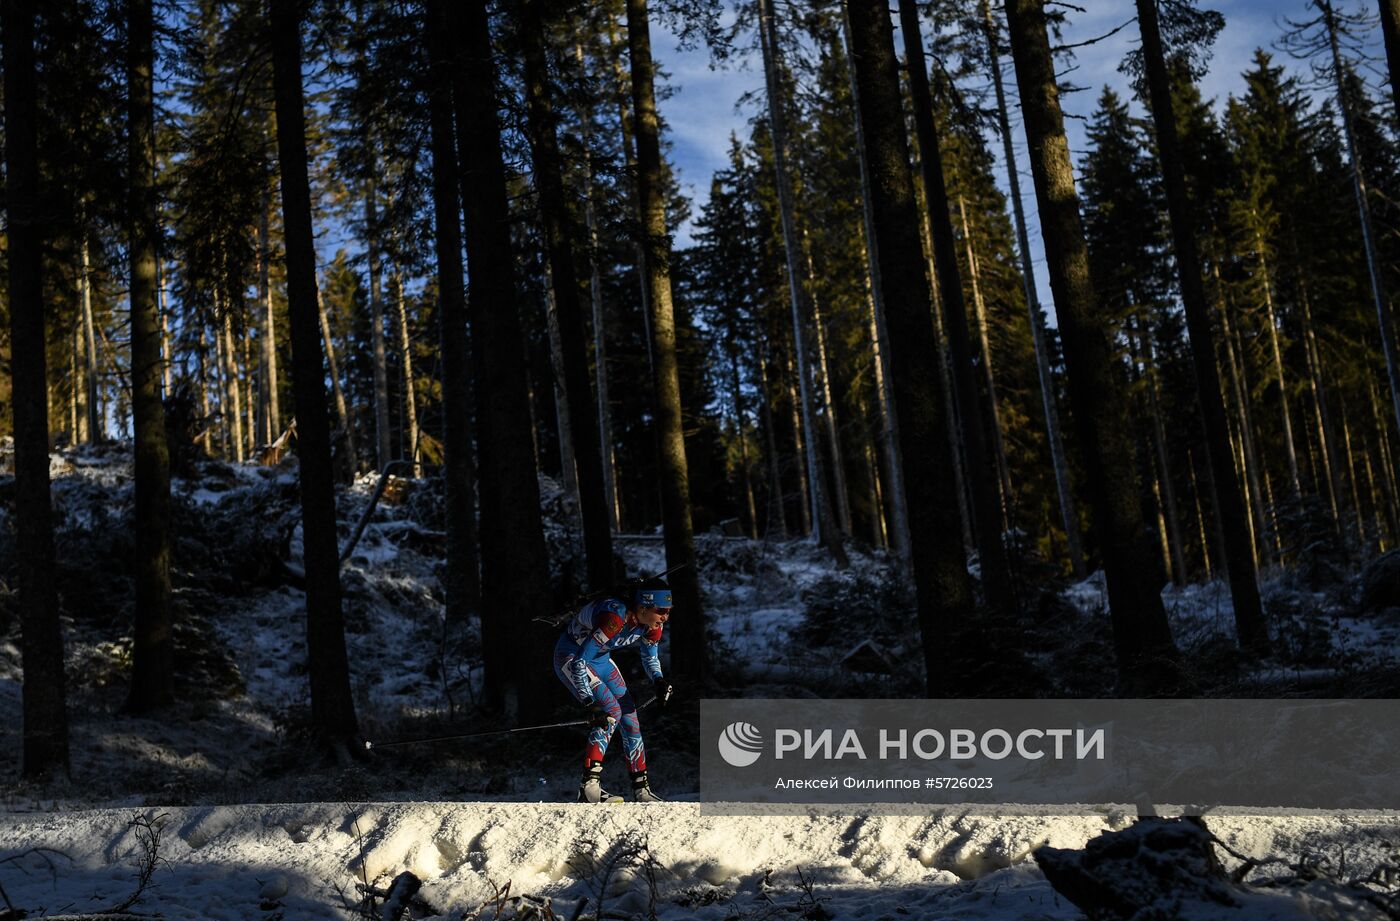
1351,476
384,449
798,450
1325,439
1069,506
1291,452
737,397
97,416
1363,213
342,411
689,651
1249,459
568,468
272,415
42,691
988,372
799,292
1200,513
205,410
233,405
515,562
153,652
945,375
1167,498
1142,638
221,379
889,422
833,430
250,424
1234,517
410,398
775,473
167,358
600,350
75,429
987,523
462,577
943,590
332,708
1392,514
560,233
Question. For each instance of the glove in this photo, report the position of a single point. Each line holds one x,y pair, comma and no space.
664,690
597,716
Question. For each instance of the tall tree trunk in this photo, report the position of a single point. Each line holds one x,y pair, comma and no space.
461,578
982,486
833,429
799,451
942,587
1290,450
984,346
688,650
1352,479
889,424
1200,513
272,412
42,691
600,338
97,417
629,159
1330,481
736,396
233,405
1234,518
515,563
167,359
410,398
205,409
568,468
1363,211
1239,388
332,708
1167,498
74,420
221,378
1141,636
1392,512
153,654
775,472
384,449
560,234
250,421
824,528
342,409
1064,488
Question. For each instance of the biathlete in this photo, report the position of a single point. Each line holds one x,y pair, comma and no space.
583,661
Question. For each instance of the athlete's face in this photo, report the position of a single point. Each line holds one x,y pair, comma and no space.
651,618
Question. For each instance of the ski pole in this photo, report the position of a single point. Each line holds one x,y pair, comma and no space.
374,746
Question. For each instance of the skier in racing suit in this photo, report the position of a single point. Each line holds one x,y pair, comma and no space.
583,661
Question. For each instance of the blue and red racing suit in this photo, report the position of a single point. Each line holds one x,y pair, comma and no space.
583,661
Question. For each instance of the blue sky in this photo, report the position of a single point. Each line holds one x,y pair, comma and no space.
702,111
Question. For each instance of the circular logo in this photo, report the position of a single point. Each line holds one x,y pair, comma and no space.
741,744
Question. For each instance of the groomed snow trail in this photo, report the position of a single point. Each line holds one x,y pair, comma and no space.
289,861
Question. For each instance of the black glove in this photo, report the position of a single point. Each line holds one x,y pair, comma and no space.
597,716
664,689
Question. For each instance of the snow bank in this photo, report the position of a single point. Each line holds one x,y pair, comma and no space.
304,861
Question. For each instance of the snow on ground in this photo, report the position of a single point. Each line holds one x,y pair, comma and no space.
303,861
240,740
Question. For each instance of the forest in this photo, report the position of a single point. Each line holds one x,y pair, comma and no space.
445,243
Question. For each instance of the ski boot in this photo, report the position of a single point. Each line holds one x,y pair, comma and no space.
641,790
590,789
